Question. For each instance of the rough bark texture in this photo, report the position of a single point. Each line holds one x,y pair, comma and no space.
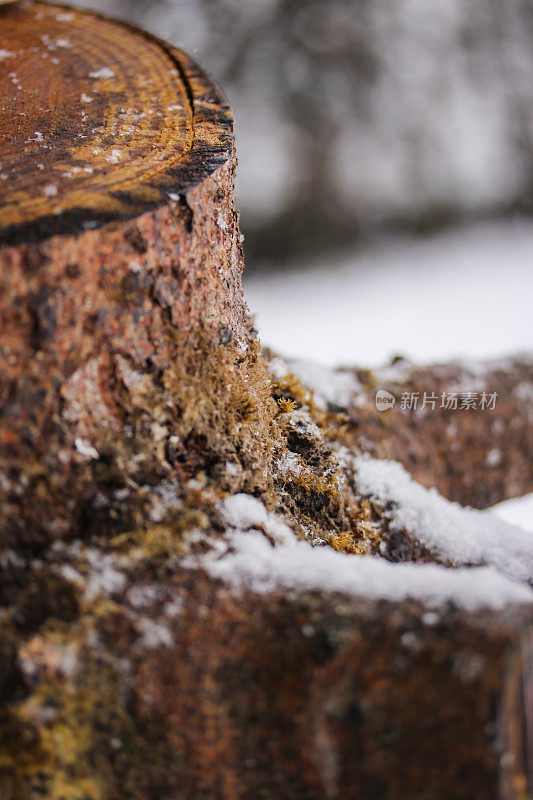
475,456
274,697
309,699
135,399
80,310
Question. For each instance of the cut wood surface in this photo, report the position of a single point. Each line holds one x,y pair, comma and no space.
98,122
197,593
118,235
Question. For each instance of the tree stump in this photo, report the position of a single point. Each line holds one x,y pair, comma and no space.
118,238
197,592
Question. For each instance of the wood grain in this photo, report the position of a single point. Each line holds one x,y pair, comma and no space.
133,397
98,122
118,233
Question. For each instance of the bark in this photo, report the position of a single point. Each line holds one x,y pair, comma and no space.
477,456
300,698
97,280
134,400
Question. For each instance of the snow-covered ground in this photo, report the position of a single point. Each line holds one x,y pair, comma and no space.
463,293
518,512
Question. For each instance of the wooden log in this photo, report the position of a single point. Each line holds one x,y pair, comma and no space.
187,690
302,697
99,123
478,455
476,452
119,251
133,400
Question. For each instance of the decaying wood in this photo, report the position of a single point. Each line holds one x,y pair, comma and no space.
134,402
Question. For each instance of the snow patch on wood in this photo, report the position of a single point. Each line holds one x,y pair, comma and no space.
454,533
251,562
103,73
278,560
242,512
338,387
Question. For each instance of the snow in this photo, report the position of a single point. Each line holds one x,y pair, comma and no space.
103,73
463,293
152,634
300,422
242,512
142,597
252,563
9,558
41,652
50,190
290,464
518,511
457,534
104,577
327,385
84,449
174,607
494,457
164,499
247,560
222,222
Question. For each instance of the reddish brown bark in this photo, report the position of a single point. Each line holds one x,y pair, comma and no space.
477,456
80,309
133,399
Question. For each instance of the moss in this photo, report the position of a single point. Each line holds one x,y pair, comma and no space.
364,538
210,422
223,397
208,404
161,542
290,390
74,737
47,739
316,495
287,405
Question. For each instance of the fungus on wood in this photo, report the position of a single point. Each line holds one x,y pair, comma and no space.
155,640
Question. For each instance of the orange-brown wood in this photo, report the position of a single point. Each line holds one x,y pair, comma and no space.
118,232
97,121
133,398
